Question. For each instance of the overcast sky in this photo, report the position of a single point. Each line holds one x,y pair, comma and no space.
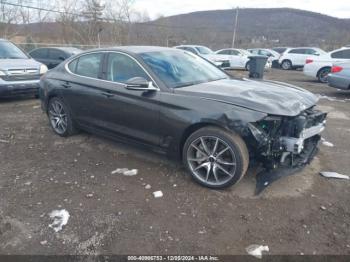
337,8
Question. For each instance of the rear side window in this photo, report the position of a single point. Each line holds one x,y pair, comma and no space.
310,51
121,68
73,65
56,54
87,65
224,52
343,54
297,51
190,49
235,52
39,53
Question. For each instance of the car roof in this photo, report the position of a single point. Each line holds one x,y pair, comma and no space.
63,48
134,49
191,46
302,47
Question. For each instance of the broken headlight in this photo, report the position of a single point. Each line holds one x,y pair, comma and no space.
266,129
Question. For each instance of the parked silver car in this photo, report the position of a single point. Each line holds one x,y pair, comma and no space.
19,73
340,76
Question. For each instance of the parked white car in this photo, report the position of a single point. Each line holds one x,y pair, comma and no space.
272,55
296,57
238,58
319,67
207,53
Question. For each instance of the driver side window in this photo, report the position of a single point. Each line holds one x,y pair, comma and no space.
121,68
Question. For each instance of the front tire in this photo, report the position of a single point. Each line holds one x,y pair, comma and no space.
322,75
286,65
215,158
247,66
60,118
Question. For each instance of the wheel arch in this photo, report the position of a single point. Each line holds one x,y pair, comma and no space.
324,67
287,59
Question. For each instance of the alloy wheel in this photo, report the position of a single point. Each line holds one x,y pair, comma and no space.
323,76
211,160
286,65
58,117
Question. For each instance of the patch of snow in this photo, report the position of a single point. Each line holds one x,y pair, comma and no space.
60,219
332,99
148,186
256,250
326,143
125,171
4,141
157,194
334,175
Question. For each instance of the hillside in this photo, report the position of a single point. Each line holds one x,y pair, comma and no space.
256,28
277,26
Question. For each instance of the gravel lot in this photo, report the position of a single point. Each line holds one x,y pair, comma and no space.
116,214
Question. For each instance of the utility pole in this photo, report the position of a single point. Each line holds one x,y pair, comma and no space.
234,29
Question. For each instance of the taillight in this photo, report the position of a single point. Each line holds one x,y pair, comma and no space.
336,69
309,61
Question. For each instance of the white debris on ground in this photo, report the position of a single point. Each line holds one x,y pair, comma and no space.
60,219
125,171
332,99
256,250
334,175
326,143
148,186
157,194
4,141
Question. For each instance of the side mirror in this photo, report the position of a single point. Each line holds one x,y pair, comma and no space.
61,58
317,54
140,84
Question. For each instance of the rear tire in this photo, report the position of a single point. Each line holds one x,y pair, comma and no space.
215,158
247,66
60,118
322,75
286,65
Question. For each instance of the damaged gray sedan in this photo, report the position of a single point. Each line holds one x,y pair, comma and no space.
175,102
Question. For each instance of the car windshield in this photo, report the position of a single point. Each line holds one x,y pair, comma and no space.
10,51
179,68
204,50
273,52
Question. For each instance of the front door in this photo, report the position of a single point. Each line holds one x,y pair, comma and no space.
131,113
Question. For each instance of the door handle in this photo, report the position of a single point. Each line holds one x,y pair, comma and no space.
107,94
66,85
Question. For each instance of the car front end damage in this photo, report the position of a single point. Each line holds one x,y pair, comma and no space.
284,144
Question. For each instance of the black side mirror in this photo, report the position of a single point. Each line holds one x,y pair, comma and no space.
140,83
61,58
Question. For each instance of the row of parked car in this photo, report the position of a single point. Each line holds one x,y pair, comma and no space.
20,72
325,66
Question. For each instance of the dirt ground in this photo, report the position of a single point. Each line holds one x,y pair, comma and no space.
116,214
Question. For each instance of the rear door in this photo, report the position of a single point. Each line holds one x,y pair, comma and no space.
298,56
82,89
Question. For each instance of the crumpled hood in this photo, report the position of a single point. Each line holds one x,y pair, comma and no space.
270,97
6,64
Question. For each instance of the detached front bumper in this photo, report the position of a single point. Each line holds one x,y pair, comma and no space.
17,89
